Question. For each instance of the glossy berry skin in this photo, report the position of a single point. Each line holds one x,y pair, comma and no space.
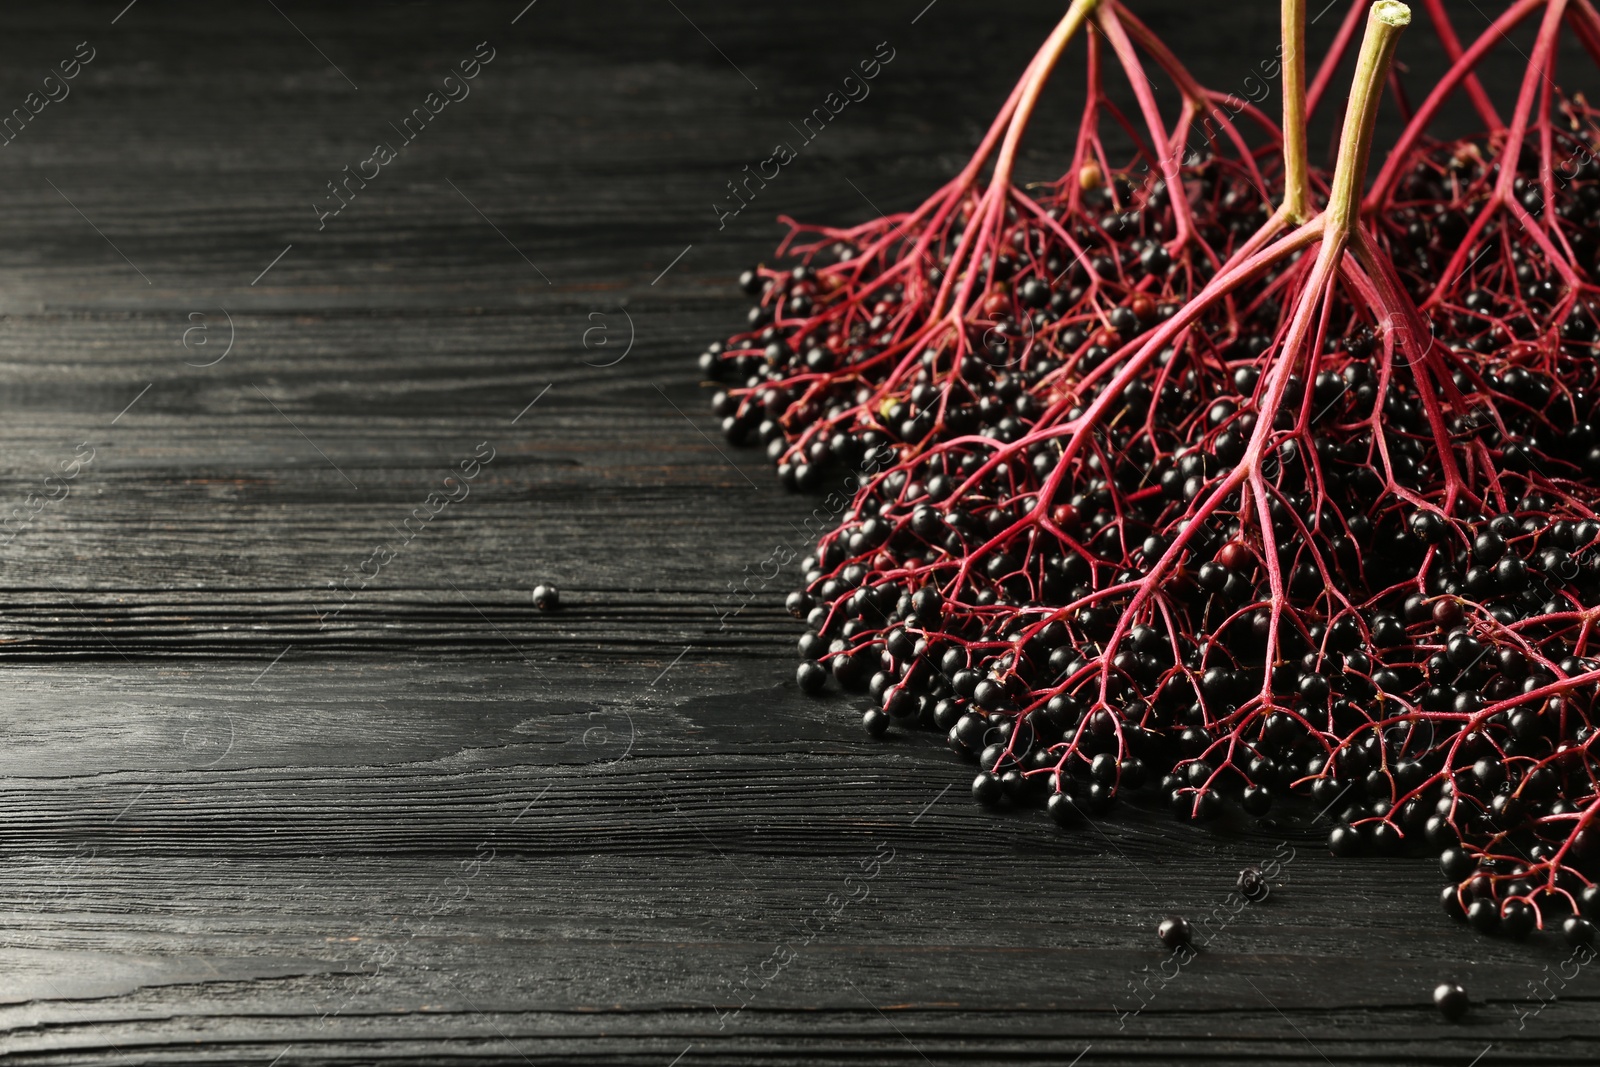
1256,800
1384,839
875,722
986,789
1589,902
900,704
1456,864
1344,841
811,676
1175,932
1484,916
1252,885
1517,919
1063,810
1451,1000
1578,931
546,597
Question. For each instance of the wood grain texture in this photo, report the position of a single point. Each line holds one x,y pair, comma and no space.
241,823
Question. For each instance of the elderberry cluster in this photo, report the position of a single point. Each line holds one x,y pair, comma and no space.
1327,534
834,367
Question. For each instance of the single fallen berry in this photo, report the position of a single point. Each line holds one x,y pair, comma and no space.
546,597
1451,1000
1175,932
1252,885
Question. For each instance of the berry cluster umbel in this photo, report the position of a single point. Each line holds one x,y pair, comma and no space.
1187,489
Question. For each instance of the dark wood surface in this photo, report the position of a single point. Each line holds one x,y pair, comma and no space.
437,825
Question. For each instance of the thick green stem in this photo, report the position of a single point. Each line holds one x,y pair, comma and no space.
1296,174
1386,20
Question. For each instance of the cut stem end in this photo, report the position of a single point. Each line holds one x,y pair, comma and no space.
1392,13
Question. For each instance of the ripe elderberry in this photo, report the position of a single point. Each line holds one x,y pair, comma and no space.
1175,933
1451,1000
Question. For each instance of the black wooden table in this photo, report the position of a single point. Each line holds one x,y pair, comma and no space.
294,771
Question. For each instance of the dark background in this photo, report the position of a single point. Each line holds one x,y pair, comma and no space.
438,825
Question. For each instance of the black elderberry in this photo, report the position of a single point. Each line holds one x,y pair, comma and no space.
927,605
1462,649
1207,806
993,756
901,703
1517,919
1451,1000
1490,773
812,677
1175,932
1479,582
852,671
1034,293
1018,787
1578,931
946,713
875,722
1155,259
1063,810
546,597
1313,688
1097,798
1325,791
971,730
1512,664
1484,916
1383,838
1511,574
1488,546
1344,841
1252,885
989,695
986,789
1387,631
1428,526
